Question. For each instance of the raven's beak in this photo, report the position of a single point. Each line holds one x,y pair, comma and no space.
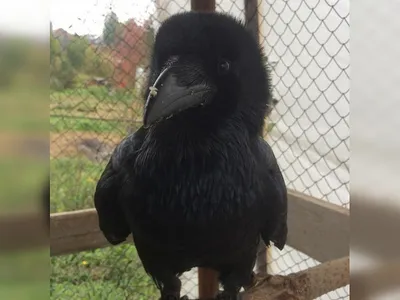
167,97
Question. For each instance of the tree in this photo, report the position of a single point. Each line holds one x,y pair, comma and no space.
61,70
97,63
55,48
147,45
111,25
76,51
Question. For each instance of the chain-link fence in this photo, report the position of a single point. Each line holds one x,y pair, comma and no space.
97,78
307,44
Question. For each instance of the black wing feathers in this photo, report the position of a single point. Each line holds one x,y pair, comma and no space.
275,228
112,219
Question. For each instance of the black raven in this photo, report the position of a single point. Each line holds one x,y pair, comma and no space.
197,185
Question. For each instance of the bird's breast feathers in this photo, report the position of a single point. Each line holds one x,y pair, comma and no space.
214,185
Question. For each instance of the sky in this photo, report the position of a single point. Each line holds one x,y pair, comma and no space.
87,16
81,17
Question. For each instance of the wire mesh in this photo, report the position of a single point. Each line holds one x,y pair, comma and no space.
97,77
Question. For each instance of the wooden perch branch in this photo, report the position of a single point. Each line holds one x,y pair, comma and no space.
304,285
316,228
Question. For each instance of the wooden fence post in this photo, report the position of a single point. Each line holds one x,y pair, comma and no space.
207,278
202,5
251,17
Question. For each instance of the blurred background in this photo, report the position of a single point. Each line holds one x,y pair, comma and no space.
375,148
24,150
99,53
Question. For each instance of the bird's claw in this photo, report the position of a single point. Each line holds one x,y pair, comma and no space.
255,279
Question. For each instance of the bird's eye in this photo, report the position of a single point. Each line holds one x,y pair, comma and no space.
224,67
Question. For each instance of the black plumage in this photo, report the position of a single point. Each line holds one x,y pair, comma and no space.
197,185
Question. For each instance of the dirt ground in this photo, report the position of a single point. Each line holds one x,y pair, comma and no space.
92,108
65,143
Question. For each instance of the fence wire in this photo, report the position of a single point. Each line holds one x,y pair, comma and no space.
307,44
97,79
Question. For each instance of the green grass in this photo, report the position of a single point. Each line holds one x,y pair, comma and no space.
100,93
109,273
70,124
93,109
73,181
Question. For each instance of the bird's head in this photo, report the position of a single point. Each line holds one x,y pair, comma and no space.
206,66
